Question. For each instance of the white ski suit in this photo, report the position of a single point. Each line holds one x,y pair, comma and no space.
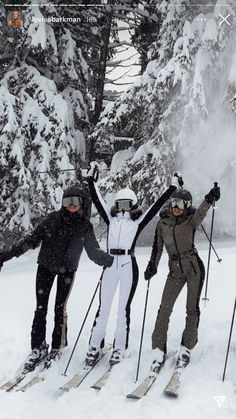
122,234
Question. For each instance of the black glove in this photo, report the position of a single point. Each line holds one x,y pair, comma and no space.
108,261
135,213
114,211
213,195
151,270
93,171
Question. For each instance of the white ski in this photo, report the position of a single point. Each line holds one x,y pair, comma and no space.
79,378
9,385
147,383
35,380
100,383
19,377
40,376
173,387
144,387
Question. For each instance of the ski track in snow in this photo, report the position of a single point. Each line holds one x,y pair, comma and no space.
201,380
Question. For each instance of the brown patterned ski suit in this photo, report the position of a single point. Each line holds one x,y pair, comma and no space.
185,267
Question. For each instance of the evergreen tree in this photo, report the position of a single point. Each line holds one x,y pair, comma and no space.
43,115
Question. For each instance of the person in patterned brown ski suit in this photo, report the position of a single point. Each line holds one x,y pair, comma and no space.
176,231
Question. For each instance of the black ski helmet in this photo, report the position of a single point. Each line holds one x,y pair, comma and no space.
78,189
183,195
74,190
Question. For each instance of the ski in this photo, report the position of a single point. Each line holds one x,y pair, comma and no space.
147,383
19,377
40,376
144,387
35,380
173,387
9,385
100,383
79,377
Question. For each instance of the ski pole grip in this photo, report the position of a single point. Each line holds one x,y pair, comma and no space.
180,180
96,174
215,184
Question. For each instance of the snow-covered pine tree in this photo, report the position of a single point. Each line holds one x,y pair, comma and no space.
146,110
43,116
181,111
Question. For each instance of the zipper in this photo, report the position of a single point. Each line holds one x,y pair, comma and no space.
180,264
123,264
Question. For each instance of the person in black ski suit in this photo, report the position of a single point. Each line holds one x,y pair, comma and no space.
63,234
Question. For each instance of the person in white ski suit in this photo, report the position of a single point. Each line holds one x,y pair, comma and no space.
125,222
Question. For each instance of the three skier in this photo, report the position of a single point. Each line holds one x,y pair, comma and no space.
64,234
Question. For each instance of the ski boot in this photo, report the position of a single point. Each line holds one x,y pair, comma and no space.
183,358
173,388
159,359
116,356
92,357
35,357
54,355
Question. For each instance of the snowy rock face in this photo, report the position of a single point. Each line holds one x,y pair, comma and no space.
181,111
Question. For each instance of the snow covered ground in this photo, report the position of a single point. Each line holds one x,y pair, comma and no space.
202,383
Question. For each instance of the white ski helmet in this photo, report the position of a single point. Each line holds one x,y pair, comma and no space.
126,195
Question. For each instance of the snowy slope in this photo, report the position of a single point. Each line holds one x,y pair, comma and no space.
201,381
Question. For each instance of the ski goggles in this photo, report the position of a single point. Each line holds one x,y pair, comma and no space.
124,204
72,200
180,203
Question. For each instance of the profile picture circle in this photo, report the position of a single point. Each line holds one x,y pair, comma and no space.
14,19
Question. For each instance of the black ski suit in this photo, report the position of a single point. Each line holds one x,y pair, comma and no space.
62,236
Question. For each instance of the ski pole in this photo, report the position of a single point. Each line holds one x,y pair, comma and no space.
205,298
214,250
230,334
141,340
77,339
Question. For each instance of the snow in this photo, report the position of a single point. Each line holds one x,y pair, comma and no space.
201,380
232,74
120,157
211,31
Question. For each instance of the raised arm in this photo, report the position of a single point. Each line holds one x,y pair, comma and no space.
153,210
209,200
99,203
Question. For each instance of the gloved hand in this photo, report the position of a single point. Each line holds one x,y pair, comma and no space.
114,211
177,180
150,271
109,261
213,195
93,171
